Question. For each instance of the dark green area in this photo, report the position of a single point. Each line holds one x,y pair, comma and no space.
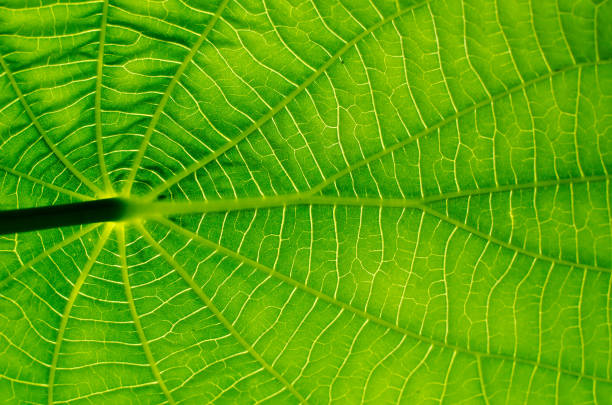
33,219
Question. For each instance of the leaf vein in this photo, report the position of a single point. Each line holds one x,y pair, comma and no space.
380,321
213,308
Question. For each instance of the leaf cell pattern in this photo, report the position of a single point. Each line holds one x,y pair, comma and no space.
413,201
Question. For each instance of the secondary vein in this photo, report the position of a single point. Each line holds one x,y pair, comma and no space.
222,319
71,299
44,134
375,319
47,252
139,330
282,104
162,103
98,100
43,183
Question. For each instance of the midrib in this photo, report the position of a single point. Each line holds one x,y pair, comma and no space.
125,209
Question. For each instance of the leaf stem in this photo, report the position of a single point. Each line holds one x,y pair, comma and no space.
55,216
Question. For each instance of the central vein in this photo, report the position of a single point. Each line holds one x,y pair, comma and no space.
125,209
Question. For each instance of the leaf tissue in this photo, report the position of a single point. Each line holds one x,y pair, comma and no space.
305,201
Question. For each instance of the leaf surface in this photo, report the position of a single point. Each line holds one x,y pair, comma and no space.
348,202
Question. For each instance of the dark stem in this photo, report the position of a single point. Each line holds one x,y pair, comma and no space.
33,219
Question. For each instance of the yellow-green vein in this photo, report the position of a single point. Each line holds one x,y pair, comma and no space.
162,103
257,124
375,319
510,246
146,209
44,134
71,299
481,379
98,100
282,104
75,236
434,128
17,381
209,304
43,183
130,300
157,209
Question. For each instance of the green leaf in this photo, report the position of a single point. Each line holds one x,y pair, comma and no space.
330,201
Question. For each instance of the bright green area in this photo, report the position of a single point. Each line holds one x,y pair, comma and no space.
337,201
